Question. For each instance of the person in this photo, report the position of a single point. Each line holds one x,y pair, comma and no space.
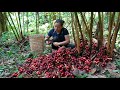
60,36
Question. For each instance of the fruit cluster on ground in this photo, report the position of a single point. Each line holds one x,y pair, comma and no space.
63,62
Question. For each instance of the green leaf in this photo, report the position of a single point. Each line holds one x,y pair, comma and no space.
1,67
116,71
20,76
108,75
84,75
78,76
118,62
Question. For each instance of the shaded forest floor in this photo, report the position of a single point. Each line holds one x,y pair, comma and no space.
13,54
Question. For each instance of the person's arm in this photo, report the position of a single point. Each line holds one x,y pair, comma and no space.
49,35
47,38
67,41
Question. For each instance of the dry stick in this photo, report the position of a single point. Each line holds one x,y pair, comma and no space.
111,18
93,57
117,27
14,26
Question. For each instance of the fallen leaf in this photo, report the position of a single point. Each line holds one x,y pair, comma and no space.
75,71
93,70
92,76
101,76
116,71
116,75
6,74
111,66
81,72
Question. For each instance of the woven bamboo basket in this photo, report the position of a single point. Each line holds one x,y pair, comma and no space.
36,43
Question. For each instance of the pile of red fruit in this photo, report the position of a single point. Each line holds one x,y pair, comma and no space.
61,63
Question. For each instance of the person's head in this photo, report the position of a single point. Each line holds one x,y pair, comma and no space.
58,25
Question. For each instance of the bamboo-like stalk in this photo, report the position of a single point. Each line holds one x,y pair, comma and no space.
17,38
79,26
14,26
23,25
111,19
37,22
72,25
17,23
87,29
90,33
94,19
27,21
77,34
117,27
100,39
84,30
3,21
21,33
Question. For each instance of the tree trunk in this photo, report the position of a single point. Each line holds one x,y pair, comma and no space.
79,26
16,36
77,33
27,21
90,32
84,22
3,22
100,37
37,22
23,25
21,33
72,17
17,23
117,27
111,19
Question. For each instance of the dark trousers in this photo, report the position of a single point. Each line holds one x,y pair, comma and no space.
67,46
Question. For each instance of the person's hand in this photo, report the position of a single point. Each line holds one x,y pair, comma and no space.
56,44
48,42
61,48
